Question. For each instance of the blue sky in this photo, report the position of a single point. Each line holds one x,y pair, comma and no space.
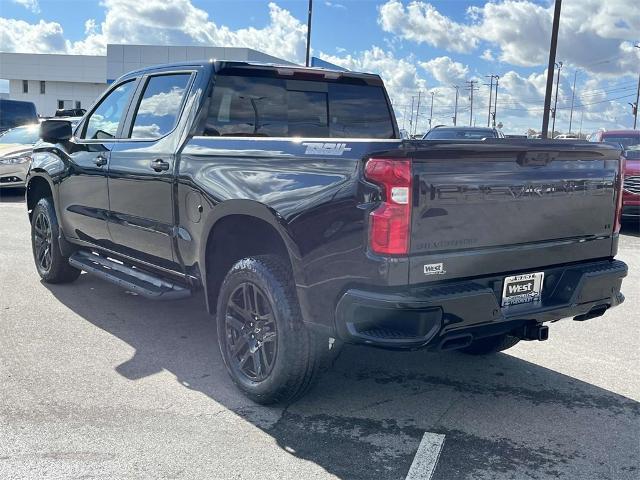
416,46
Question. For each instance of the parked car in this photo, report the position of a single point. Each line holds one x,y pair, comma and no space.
631,197
625,138
15,154
629,141
287,195
70,112
566,136
442,132
14,113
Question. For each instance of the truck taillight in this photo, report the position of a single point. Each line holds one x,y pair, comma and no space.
617,221
390,223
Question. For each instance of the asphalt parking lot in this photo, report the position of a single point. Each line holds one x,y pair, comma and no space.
97,383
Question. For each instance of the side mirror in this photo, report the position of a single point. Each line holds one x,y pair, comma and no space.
54,131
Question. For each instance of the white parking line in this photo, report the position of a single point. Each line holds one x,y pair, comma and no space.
426,459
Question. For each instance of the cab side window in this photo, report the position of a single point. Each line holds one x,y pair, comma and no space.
104,120
159,106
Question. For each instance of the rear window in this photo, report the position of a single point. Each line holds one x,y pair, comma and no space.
278,107
15,113
624,140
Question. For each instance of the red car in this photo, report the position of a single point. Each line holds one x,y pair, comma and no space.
630,142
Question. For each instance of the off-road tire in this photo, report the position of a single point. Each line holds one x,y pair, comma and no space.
52,266
489,345
299,352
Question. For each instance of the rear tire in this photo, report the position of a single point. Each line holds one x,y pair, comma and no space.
52,266
269,353
489,345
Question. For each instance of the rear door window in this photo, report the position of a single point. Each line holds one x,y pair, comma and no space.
159,105
277,107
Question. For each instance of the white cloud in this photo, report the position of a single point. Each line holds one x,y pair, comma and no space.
158,22
29,5
337,5
591,31
422,23
446,71
487,55
162,103
42,37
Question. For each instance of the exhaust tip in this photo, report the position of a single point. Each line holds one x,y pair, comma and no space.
456,342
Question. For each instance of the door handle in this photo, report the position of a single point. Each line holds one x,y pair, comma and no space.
100,161
160,165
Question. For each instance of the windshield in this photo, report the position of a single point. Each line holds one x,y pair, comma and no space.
460,134
625,140
27,135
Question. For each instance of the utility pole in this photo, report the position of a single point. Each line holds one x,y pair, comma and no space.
490,85
471,88
555,103
309,32
552,60
404,116
635,113
495,105
431,113
455,108
411,117
573,96
415,127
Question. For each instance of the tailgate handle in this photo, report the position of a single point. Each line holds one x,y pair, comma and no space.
536,159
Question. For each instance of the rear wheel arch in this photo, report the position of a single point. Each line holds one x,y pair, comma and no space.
239,235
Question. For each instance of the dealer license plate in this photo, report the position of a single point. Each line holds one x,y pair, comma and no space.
523,288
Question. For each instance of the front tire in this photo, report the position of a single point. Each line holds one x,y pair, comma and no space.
52,266
490,345
268,352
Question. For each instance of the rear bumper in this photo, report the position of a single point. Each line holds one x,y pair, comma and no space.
431,316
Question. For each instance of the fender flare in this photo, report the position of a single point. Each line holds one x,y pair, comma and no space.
260,211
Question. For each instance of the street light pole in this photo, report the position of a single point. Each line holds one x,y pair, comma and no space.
495,105
309,32
555,103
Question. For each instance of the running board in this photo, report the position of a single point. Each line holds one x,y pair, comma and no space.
129,277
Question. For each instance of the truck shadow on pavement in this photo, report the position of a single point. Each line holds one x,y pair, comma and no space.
502,417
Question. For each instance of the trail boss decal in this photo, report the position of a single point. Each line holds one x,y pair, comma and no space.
434,269
326,148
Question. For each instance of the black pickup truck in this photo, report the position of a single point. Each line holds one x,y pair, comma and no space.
287,195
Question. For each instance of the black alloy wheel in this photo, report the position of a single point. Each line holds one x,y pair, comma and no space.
52,265
251,336
42,241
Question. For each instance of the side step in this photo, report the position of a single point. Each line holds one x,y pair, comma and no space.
129,277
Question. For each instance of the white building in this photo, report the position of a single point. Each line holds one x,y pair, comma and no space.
54,81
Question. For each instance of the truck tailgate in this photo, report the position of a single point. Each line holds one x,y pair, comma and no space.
500,206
